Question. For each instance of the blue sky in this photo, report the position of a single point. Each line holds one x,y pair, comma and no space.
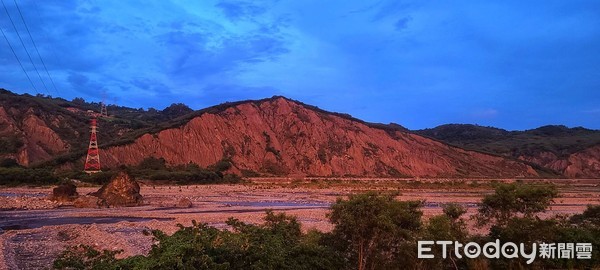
510,64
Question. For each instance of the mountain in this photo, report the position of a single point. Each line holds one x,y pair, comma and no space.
38,129
573,152
279,136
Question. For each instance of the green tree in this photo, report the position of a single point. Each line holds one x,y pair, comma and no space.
78,101
449,227
176,110
374,227
454,211
590,216
515,199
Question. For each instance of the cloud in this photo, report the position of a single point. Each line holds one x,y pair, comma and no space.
201,55
485,113
416,63
240,10
78,80
385,9
593,111
402,23
150,85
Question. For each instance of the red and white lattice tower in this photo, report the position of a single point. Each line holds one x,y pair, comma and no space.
92,162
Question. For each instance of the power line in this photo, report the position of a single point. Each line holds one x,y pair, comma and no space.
35,46
21,64
24,47
44,33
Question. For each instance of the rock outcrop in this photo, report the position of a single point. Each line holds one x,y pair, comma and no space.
571,152
282,137
122,190
581,164
584,163
184,203
30,137
64,192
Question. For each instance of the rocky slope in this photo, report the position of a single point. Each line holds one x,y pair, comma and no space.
573,152
27,138
581,164
34,129
584,163
282,137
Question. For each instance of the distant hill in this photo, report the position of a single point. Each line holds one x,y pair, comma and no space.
280,136
569,151
37,129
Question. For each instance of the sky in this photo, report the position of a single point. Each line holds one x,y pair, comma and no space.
509,64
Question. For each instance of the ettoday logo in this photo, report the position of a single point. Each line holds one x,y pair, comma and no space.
508,250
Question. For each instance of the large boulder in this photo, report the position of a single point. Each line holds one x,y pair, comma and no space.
64,192
122,190
184,203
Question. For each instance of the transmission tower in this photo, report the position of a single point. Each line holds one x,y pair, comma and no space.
103,112
92,162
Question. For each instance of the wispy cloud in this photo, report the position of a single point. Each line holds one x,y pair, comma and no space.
485,113
593,111
239,10
412,62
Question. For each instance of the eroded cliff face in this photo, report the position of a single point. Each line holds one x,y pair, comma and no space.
585,163
282,137
582,164
548,160
30,138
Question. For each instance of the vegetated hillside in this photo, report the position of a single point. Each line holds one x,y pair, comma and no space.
279,136
35,129
574,152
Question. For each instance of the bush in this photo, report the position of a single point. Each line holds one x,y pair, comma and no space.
221,166
85,257
155,169
18,176
152,163
591,216
277,244
10,144
9,162
249,173
99,178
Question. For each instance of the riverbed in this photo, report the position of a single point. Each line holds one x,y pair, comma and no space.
34,230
